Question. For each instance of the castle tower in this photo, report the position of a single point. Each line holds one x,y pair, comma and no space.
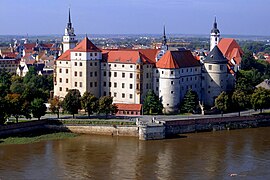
69,38
215,76
214,36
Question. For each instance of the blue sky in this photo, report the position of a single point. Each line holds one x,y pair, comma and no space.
37,17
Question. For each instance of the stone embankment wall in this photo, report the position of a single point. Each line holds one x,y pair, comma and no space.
212,124
98,130
22,127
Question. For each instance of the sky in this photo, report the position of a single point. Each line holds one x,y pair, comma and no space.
43,17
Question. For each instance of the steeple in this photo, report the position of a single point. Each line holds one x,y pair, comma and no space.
69,39
69,25
164,40
214,35
164,46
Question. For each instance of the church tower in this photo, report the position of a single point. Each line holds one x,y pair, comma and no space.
164,47
214,36
69,39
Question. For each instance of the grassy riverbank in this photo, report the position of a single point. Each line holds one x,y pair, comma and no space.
33,137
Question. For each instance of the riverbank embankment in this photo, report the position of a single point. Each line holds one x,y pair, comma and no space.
151,130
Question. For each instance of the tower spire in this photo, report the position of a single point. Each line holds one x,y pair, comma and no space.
69,24
164,40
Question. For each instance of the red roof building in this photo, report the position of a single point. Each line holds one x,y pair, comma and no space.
231,50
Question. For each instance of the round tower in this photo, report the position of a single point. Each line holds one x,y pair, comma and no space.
215,76
214,35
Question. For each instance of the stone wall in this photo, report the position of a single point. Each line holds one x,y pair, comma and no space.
21,127
98,130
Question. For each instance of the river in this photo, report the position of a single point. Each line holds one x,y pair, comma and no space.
212,155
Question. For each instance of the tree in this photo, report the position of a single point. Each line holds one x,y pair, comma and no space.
3,110
190,102
55,105
15,104
240,100
260,99
222,102
152,104
248,61
38,108
106,106
72,102
89,103
5,82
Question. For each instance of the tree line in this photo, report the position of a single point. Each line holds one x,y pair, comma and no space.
73,101
23,96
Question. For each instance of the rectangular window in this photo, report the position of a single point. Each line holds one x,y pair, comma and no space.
75,73
60,70
95,63
171,82
123,95
66,80
110,84
171,72
91,84
210,67
80,54
60,80
95,84
95,73
80,74
66,70
115,94
110,74
91,74
130,86
130,75
60,88
90,64
95,54
104,84
221,67
104,73
66,89
80,84
147,75
123,75
75,84
130,96
115,85
75,63
80,64
123,85
115,74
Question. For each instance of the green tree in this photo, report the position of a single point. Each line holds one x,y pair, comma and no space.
5,82
72,102
152,104
222,102
240,100
55,105
248,61
89,103
260,99
3,110
38,108
15,104
190,102
106,106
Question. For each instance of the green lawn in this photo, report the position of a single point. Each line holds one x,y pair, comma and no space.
33,137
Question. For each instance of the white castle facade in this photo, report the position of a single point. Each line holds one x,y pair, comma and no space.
127,74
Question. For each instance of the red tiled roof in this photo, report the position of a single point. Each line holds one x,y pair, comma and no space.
65,56
230,49
47,45
11,55
30,46
177,59
128,107
126,56
151,54
86,46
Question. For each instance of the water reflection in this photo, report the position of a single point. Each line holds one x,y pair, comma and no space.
199,156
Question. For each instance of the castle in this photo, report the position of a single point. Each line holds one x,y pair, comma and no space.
128,74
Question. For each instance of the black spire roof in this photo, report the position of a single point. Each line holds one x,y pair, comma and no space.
215,29
69,24
216,57
164,40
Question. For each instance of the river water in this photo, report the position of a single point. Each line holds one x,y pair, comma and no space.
244,154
